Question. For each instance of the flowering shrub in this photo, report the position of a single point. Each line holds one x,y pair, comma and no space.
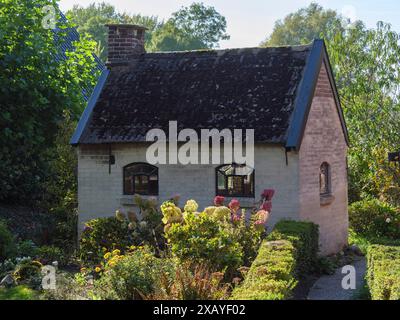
374,218
219,236
102,235
201,239
122,231
131,276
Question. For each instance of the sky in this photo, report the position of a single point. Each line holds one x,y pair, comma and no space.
251,21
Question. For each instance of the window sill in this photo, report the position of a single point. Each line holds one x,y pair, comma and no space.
129,200
326,199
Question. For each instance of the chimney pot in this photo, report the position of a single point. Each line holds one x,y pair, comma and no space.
125,41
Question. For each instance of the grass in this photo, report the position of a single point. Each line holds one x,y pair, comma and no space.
18,293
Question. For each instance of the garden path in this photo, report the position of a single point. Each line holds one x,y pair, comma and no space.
329,287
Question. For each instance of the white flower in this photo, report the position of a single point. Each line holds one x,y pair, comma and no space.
388,220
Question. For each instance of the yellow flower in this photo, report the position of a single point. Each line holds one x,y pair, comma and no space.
222,213
132,248
191,206
107,255
116,252
98,269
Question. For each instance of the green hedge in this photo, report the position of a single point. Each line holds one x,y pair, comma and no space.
290,250
305,238
383,275
374,218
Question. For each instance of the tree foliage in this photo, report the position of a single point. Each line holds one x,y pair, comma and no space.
365,62
367,71
190,28
35,90
305,25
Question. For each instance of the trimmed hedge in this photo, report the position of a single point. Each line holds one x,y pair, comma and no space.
383,275
305,238
290,250
272,274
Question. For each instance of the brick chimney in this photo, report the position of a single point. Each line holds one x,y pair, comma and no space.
125,41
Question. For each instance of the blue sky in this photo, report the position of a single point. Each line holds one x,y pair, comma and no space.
251,21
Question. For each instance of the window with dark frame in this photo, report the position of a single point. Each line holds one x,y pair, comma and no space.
325,179
235,180
141,178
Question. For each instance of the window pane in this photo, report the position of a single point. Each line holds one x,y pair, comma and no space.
153,185
235,185
220,181
141,184
128,185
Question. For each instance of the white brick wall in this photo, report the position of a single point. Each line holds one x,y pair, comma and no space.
100,193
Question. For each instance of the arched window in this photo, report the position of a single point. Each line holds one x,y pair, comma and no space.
325,179
141,178
235,180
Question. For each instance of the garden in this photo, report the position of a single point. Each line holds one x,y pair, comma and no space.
183,253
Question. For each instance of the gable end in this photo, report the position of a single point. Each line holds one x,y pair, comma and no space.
306,92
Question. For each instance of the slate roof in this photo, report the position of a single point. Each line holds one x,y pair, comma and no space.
254,88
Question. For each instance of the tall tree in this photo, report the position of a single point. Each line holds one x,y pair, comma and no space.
191,28
35,90
305,25
367,69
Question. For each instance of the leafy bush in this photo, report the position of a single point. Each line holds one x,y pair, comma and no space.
132,276
7,247
272,274
305,238
374,219
102,235
48,254
383,275
203,240
26,248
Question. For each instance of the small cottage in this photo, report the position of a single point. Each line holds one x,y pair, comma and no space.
287,95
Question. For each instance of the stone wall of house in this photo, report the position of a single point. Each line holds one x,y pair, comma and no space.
324,142
101,193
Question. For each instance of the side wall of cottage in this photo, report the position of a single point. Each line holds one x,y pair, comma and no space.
101,193
324,141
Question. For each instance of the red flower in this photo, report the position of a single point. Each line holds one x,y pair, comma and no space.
266,206
234,205
268,194
219,201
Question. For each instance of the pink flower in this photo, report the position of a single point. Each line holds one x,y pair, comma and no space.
236,218
266,206
219,201
268,194
262,217
234,205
